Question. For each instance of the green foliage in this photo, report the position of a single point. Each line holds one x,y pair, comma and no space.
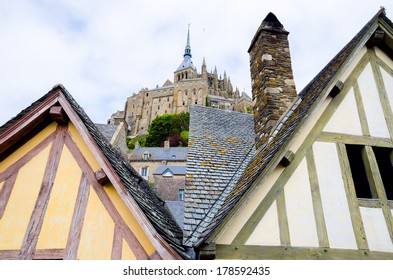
184,137
249,110
140,138
165,126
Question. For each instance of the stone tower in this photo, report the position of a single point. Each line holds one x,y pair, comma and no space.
273,87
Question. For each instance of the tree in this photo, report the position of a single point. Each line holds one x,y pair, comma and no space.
165,126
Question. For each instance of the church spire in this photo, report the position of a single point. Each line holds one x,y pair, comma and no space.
187,51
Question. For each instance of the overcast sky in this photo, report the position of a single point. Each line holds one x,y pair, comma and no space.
103,51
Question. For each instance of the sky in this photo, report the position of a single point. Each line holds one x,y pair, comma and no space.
104,51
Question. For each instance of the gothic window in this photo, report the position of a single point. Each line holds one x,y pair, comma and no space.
147,94
194,91
186,92
363,178
186,75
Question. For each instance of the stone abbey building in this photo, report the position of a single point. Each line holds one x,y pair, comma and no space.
189,88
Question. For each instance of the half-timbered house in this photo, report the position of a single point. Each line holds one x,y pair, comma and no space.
66,193
320,182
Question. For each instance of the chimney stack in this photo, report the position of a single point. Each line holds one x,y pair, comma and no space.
166,145
273,87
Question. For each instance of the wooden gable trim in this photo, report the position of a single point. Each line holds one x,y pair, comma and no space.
336,89
58,115
27,157
78,216
356,218
26,123
101,177
37,217
5,192
128,235
117,245
333,137
296,253
320,223
164,249
381,88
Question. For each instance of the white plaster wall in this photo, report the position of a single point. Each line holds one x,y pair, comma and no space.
388,81
299,206
312,120
384,57
376,230
267,232
245,212
346,118
372,104
334,200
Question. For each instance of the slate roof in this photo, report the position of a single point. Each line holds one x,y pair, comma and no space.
150,203
177,209
107,130
176,170
220,145
269,154
160,154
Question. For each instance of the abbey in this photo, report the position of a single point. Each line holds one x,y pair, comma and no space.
189,88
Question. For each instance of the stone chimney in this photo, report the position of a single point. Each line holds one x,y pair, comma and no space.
137,145
166,145
273,87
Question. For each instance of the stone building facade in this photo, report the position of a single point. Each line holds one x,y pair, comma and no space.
190,87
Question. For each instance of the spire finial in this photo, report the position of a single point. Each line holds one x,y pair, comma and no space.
187,51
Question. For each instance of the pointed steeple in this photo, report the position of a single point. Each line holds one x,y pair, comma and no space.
187,62
187,50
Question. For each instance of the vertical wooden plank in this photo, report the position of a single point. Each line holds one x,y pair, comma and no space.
383,96
371,163
361,110
323,239
356,217
5,192
77,219
283,220
37,217
117,244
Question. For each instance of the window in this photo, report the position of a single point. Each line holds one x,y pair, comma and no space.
181,194
145,156
361,162
144,172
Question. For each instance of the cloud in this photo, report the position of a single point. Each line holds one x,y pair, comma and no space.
103,51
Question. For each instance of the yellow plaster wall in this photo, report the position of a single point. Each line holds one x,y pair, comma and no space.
28,146
58,216
83,147
129,219
127,253
23,197
97,231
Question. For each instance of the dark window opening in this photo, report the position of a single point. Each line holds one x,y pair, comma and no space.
384,161
358,170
